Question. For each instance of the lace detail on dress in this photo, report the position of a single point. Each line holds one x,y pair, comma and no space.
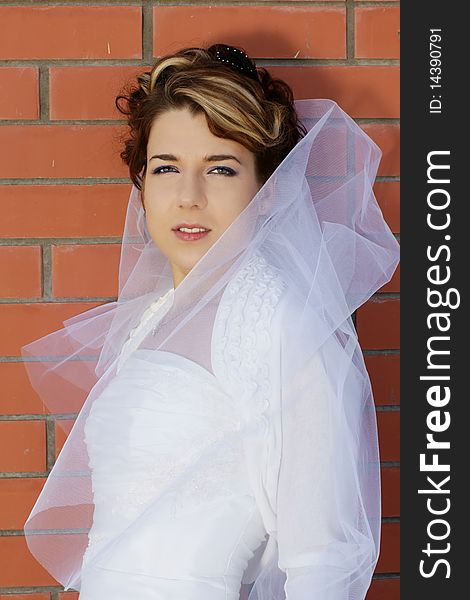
242,339
213,478
159,307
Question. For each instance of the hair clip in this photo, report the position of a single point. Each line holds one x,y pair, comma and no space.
235,58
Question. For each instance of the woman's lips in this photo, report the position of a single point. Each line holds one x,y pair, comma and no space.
190,237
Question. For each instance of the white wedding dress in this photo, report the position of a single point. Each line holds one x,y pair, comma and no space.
192,502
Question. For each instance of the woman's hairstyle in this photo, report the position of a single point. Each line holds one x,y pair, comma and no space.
259,114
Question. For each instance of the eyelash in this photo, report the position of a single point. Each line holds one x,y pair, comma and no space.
229,173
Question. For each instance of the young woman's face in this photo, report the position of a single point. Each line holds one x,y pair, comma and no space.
189,181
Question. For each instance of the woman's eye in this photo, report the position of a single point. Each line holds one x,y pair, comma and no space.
227,171
160,169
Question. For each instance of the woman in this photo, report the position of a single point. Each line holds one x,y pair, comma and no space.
227,444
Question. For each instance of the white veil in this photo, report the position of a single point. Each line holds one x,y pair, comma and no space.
317,227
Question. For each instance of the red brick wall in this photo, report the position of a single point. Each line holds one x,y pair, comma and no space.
63,193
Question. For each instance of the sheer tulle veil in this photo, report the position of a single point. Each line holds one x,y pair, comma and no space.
317,224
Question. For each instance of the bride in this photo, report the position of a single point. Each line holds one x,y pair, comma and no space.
225,443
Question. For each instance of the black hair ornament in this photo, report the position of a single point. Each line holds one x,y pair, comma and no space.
235,58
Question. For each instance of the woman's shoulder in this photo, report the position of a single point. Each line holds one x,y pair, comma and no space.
252,313
268,293
258,278
272,312
253,298
245,331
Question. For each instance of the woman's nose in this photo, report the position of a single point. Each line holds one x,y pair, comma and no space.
191,191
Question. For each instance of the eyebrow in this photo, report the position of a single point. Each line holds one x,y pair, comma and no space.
211,158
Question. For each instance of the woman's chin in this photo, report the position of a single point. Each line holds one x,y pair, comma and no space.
185,262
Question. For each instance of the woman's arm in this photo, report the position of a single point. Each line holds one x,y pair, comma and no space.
325,545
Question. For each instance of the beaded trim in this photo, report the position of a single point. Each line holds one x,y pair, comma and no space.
236,58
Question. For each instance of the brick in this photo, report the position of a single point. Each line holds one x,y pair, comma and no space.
387,137
20,271
378,323
62,429
362,91
85,270
71,210
377,32
388,424
22,446
311,31
390,491
394,284
86,92
389,558
20,92
70,32
19,567
16,394
63,390
60,151
22,323
384,589
388,198
39,596
17,497
384,372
